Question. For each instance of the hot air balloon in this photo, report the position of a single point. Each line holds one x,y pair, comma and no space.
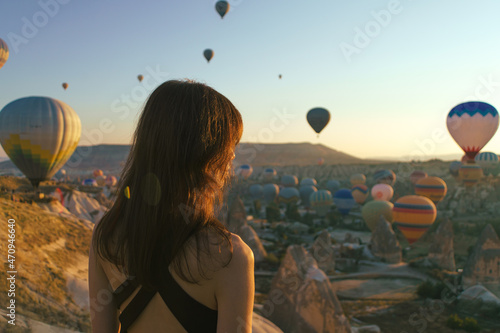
466,159
270,192
384,177
472,125
333,185
89,182
433,188
140,77
470,174
416,176
289,181
305,193
208,54
65,85
279,76
308,181
413,215
359,193
321,160
382,192
372,211
110,181
269,174
487,161
289,195
454,167
344,200
4,52
39,134
244,171
358,179
256,191
97,172
101,180
222,7
321,201
318,118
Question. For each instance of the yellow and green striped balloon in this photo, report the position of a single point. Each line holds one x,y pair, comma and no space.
39,134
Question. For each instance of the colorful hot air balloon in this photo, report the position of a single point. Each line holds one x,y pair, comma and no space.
454,167
318,118
487,161
97,172
321,201
222,7
359,193
321,160
208,54
270,192
289,181
308,181
279,76
358,179
472,125
256,191
470,173
269,174
39,134
433,188
89,182
4,52
372,211
344,200
333,185
101,180
384,177
416,176
244,171
140,77
65,86
413,215
110,181
305,192
289,195
382,192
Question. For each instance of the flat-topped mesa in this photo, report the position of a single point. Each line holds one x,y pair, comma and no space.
483,264
302,299
384,244
441,251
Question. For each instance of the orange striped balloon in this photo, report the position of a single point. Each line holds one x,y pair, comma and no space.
470,173
414,214
433,188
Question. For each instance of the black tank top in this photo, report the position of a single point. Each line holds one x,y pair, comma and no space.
183,307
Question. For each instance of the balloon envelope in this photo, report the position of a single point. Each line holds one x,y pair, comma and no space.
333,185
358,179
222,7
244,171
289,195
140,78
344,200
472,125
470,174
65,85
433,188
413,215
359,193
321,201
487,161
89,182
39,134
101,180
208,54
97,172
269,174
305,193
289,181
270,192
308,181
372,211
4,52
256,191
318,118
454,167
384,177
110,181
382,192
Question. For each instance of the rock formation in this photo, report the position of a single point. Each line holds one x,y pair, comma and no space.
441,250
483,264
384,243
478,300
323,252
301,298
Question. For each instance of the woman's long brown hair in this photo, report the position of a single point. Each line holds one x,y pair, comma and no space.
179,162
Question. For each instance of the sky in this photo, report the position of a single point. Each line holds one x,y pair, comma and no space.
388,71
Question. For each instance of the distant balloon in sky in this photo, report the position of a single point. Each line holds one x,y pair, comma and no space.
39,134
222,7
4,52
208,54
318,118
140,77
65,85
321,160
279,76
472,125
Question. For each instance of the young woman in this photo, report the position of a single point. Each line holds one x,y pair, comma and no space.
160,261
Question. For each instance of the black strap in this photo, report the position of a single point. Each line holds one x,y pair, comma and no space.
124,291
135,308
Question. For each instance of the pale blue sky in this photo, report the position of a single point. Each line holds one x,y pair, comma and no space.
386,100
